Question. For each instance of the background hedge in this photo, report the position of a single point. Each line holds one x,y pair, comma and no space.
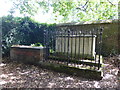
21,31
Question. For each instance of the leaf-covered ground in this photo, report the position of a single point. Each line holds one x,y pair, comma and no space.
19,75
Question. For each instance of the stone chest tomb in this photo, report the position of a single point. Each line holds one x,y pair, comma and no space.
77,44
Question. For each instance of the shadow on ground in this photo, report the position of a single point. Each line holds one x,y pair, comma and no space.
19,75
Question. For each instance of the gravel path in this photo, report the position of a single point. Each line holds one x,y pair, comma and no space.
19,75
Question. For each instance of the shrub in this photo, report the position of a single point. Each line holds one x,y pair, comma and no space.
21,31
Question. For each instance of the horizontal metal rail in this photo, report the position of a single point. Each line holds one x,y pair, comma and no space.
76,47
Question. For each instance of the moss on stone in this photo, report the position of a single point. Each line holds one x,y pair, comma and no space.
62,59
85,73
76,56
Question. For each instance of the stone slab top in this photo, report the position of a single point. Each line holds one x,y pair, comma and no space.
76,36
23,46
89,22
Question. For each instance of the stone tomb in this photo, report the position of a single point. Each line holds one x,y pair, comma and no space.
76,44
27,54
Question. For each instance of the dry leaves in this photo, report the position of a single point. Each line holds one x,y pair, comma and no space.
19,75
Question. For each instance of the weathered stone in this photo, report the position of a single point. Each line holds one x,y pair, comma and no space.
76,44
27,54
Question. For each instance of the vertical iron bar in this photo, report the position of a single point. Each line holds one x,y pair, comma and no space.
52,41
79,46
48,50
71,44
96,45
44,45
92,44
60,51
76,53
61,40
65,44
75,43
52,45
101,29
68,47
58,36
83,45
55,38
47,44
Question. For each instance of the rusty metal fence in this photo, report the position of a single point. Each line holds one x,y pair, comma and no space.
74,48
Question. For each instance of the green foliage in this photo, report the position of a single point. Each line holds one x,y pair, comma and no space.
70,10
63,8
110,42
26,7
52,51
37,44
21,31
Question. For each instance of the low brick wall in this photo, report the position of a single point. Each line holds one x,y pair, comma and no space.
27,54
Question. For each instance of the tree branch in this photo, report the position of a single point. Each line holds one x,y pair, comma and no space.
85,3
84,6
110,2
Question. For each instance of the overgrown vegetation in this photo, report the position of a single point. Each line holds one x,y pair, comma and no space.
21,31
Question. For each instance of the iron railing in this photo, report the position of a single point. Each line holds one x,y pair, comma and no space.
75,48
